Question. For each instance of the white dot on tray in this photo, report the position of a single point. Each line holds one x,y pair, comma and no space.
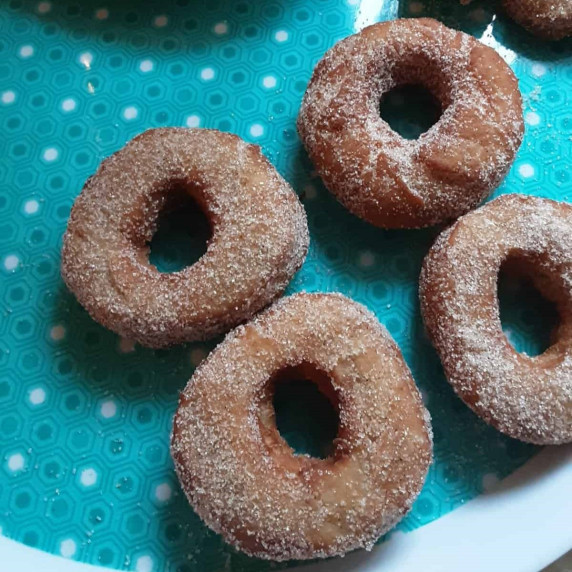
193,121
416,7
160,21
50,154
37,396
26,51
11,262
144,564
538,70
366,259
257,130
489,481
207,74
44,7
163,492
102,14
526,170
269,81
310,191
108,409
68,104
281,36
31,207
57,333
130,113
8,97
86,59
478,15
146,66
88,477
532,118
68,548
126,346
197,356
16,462
221,28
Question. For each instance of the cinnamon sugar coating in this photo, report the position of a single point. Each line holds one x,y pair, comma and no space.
259,237
383,178
528,398
245,481
550,19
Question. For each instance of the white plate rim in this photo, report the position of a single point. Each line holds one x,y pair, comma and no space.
522,524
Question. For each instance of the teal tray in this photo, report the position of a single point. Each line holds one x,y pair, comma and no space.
85,416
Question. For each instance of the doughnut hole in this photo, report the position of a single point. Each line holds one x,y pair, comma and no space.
410,110
418,94
182,235
529,309
300,409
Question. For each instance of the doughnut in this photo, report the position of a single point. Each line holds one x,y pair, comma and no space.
393,182
550,19
259,237
528,398
245,481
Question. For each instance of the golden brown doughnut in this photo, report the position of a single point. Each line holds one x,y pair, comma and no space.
529,398
551,19
397,183
244,480
259,237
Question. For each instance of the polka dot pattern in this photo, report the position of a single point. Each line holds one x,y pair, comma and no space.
16,462
85,415
68,548
37,396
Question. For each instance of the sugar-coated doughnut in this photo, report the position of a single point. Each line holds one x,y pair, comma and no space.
529,398
550,19
245,481
383,178
259,237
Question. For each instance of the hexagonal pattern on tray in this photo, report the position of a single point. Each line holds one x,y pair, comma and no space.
85,416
